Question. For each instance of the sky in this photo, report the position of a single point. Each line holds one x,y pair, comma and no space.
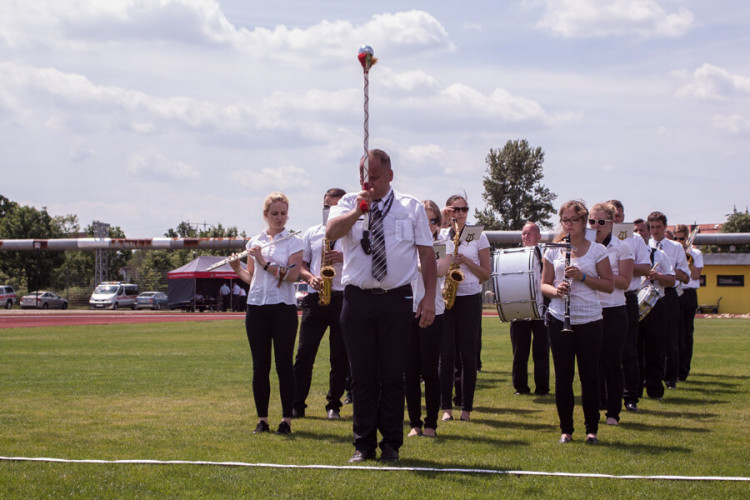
146,113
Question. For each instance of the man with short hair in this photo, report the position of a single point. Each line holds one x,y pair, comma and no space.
521,332
640,227
380,263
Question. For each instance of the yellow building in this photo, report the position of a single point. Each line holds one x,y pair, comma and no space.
725,276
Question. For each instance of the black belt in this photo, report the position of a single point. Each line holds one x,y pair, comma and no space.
631,293
381,291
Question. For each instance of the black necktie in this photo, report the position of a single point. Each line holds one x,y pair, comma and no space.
379,264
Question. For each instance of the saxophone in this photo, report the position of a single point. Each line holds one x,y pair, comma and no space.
454,276
327,272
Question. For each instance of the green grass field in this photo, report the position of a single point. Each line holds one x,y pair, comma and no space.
182,392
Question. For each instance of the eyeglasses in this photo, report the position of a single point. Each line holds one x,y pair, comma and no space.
572,220
601,222
680,238
460,209
434,222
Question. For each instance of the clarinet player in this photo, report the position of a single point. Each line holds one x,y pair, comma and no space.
576,285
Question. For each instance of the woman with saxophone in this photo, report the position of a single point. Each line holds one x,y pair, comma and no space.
463,315
424,343
574,289
273,265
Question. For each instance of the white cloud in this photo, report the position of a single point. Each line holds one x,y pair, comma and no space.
152,165
734,124
712,82
605,18
269,178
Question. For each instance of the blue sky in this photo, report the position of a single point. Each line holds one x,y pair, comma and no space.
145,113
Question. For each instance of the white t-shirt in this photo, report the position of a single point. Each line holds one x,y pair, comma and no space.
470,285
617,251
405,227
585,305
418,287
313,244
697,262
264,289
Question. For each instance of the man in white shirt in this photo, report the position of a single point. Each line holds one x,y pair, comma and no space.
226,296
632,379
688,300
657,223
380,262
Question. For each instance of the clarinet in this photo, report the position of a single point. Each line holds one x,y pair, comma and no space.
566,323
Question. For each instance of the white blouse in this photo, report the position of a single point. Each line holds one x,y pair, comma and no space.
617,250
265,288
471,284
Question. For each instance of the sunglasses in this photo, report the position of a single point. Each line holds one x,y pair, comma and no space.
601,222
434,222
460,209
572,220
680,238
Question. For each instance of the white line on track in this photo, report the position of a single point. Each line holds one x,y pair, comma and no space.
378,468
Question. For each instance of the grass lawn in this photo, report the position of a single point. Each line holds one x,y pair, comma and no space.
182,392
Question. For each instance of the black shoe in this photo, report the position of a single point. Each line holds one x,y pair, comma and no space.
518,393
388,454
333,414
671,385
631,407
592,440
565,438
541,393
261,427
298,413
348,399
284,428
361,456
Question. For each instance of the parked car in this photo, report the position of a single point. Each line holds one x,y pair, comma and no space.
151,300
113,295
301,290
43,300
7,296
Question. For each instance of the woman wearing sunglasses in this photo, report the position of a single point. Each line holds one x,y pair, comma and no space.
424,343
463,320
614,313
588,273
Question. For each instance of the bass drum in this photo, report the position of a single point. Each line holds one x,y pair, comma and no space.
517,281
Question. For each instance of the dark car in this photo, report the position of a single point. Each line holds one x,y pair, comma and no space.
151,300
43,300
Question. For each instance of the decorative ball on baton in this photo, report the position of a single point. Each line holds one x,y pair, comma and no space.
367,59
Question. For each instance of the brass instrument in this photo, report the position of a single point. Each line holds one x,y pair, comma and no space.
327,272
689,245
455,275
244,253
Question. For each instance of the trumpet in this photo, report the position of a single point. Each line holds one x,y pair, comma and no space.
455,275
327,273
244,253
689,245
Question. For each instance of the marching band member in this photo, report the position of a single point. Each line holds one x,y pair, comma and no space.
424,343
614,313
376,316
589,272
632,380
463,320
657,223
271,317
521,336
688,300
317,317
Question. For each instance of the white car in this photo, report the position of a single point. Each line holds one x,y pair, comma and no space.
7,297
43,300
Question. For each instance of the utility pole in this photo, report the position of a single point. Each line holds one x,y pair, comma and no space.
101,230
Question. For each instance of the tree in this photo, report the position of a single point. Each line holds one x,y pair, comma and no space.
738,222
513,190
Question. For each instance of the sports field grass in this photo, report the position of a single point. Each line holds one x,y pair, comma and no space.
182,392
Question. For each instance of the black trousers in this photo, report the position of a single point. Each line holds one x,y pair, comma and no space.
583,345
688,306
376,334
272,326
424,355
460,338
631,367
652,343
614,335
674,331
521,343
316,319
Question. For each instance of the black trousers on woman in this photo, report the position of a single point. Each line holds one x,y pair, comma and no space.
424,355
460,339
272,326
582,344
614,334
631,367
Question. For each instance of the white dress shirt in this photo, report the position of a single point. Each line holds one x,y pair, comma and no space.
418,286
404,228
313,248
674,251
617,251
470,285
697,262
641,255
264,289
663,265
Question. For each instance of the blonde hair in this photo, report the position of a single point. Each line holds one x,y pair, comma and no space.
606,207
273,198
432,206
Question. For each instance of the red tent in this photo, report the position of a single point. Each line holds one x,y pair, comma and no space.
187,282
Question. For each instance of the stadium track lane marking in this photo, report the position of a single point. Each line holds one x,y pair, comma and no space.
371,468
